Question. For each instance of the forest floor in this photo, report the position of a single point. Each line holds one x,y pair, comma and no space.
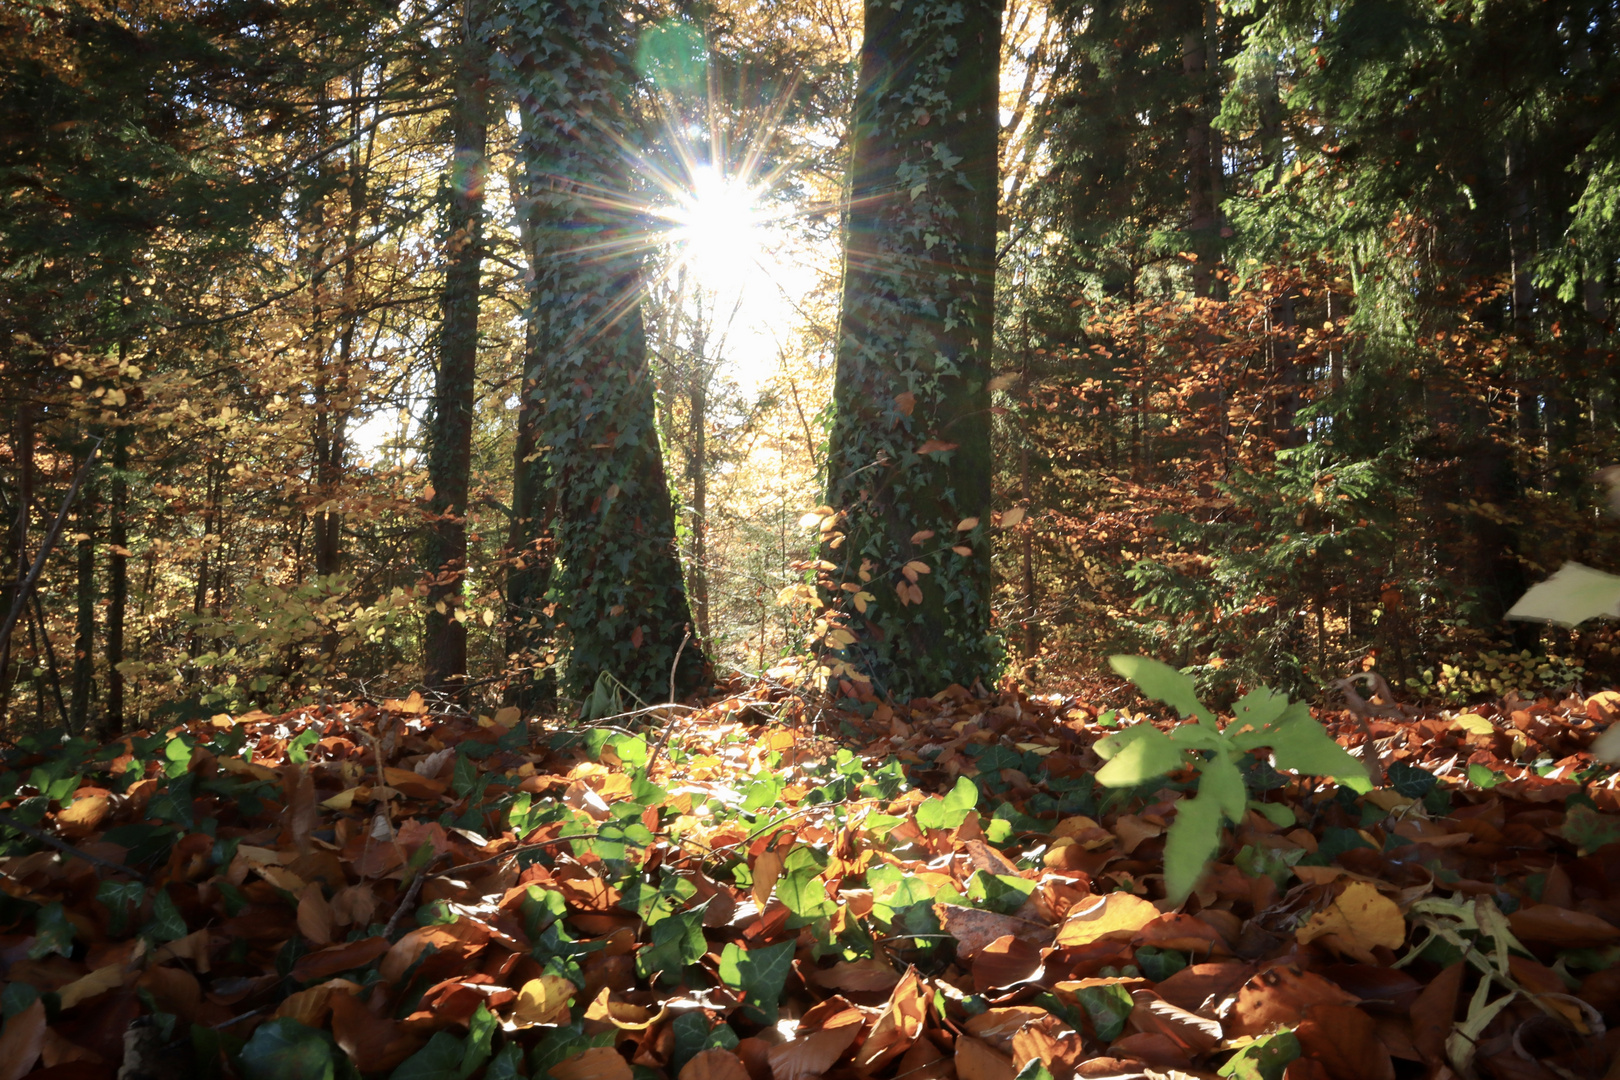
768,888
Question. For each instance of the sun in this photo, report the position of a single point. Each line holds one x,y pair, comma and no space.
717,227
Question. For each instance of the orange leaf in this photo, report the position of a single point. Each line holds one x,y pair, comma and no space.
1562,927
976,1061
767,868
315,915
898,1026
936,446
905,402
597,1063
1115,916
824,1033
21,1040
714,1065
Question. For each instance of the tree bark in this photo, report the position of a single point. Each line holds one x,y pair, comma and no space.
570,64
450,433
910,447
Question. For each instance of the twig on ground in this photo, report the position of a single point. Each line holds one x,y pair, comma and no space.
407,903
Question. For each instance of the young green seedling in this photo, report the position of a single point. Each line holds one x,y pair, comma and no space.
1262,719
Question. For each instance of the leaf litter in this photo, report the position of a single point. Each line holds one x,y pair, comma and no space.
777,887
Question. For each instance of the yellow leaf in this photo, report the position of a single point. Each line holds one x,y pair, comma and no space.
967,524
96,983
1115,914
919,537
1012,517
1359,918
1473,723
542,1001
1001,382
962,549
917,566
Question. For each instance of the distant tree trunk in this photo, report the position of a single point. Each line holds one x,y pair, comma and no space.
84,638
698,464
1203,154
450,431
571,66
910,447
328,525
22,442
112,723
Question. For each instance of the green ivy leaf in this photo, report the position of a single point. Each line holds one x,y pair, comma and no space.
284,1048
440,1059
52,933
676,942
694,1033
1411,781
1108,1007
1263,1059
760,974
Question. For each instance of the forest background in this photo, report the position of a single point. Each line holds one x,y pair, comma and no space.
1303,351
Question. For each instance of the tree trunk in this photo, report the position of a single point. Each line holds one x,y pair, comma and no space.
570,64
450,432
1203,159
910,447
699,466
112,723
22,441
530,629
84,638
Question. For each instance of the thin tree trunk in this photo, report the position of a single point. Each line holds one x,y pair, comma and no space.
698,463
84,640
117,584
1202,187
450,433
22,441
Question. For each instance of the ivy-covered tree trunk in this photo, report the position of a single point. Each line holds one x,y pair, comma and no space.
909,472
620,578
450,435
530,628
